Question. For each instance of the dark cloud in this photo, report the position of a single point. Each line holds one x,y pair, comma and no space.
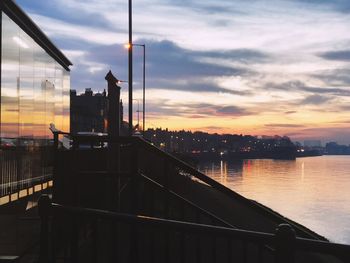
232,111
341,55
342,6
332,91
240,55
196,86
196,110
297,85
336,77
286,86
55,9
290,112
315,100
204,7
169,66
170,60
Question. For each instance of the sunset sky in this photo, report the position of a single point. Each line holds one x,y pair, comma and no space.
251,67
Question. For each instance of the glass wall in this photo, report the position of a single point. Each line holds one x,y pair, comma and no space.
34,93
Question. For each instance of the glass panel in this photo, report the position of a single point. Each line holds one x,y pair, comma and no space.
66,101
9,105
34,93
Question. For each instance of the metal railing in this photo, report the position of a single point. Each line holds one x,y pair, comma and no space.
143,153
285,244
184,202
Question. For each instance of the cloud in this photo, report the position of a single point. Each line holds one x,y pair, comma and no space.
284,125
168,66
170,59
334,77
72,15
231,111
197,110
332,91
316,100
297,85
342,55
197,85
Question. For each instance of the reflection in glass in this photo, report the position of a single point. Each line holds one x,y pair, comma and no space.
34,93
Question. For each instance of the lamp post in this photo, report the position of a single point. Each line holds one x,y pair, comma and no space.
138,114
129,46
130,67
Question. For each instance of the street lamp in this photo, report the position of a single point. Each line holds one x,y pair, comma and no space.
129,46
130,68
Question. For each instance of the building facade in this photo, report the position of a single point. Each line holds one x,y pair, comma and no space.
88,111
35,84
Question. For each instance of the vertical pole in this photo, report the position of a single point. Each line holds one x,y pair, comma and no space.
44,204
144,90
55,164
74,240
285,244
138,115
130,67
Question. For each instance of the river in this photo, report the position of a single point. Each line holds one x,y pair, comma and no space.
313,191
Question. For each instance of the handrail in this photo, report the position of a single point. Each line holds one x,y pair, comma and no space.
309,245
199,175
323,246
195,173
247,235
154,183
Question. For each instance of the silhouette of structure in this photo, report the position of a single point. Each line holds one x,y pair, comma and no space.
100,112
114,112
153,207
88,111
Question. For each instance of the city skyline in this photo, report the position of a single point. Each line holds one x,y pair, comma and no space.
252,67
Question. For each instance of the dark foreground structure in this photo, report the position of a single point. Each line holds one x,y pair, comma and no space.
120,199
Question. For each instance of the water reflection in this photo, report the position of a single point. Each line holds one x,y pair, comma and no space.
312,191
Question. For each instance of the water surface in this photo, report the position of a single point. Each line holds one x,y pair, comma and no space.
314,191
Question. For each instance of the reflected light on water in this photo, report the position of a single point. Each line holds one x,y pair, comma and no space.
313,191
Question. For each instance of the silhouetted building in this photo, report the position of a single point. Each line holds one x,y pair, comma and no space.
334,148
312,143
216,145
89,111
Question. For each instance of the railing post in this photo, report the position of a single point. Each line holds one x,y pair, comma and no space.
44,204
285,244
134,177
166,185
134,249
55,140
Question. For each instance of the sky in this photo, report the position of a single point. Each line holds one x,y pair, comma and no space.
243,67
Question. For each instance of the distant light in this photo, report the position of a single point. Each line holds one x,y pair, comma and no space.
127,46
20,42
221,153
